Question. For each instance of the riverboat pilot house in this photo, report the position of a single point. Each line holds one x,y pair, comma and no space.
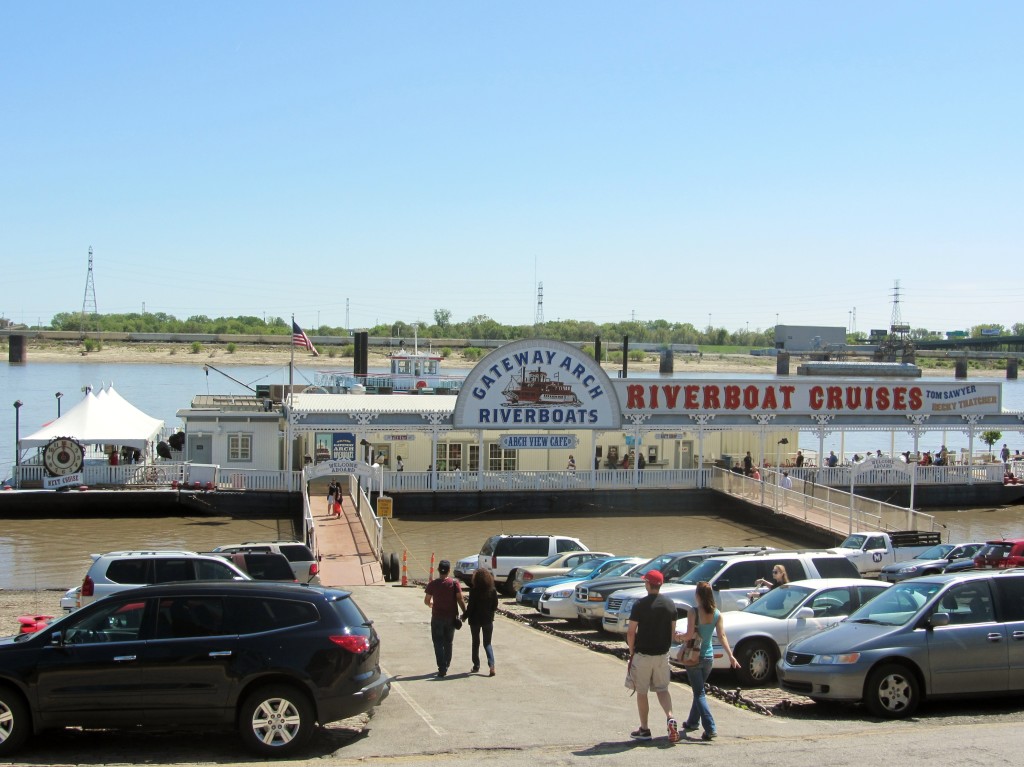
530,405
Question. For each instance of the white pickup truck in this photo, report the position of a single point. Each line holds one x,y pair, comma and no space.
870,552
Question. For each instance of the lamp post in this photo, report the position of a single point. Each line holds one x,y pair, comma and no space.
58,395
17,432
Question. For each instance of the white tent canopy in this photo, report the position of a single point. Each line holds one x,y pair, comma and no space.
106,418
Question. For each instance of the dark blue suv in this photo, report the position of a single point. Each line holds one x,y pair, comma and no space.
270,659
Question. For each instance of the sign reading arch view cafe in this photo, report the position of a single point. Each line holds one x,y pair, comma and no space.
537,384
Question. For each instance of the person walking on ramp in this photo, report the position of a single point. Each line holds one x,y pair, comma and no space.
444,598
651,627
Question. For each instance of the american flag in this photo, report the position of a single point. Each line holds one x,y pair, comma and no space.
299,338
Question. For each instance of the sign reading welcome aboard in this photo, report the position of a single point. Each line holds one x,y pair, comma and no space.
537,384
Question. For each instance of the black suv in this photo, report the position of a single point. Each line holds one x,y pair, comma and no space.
270,659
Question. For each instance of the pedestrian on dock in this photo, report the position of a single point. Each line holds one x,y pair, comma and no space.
786,483
444,598
652,624
799,459
748,464
483,603
571,467
332,495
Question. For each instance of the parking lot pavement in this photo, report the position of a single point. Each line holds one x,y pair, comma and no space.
548,692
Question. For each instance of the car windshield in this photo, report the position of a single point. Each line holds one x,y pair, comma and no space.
550,560
936,552
897,605
656,564
705,571
780,602
586,568
853,542
620,568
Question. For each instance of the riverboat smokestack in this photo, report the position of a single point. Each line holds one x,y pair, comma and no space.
625,356
361,367
597,349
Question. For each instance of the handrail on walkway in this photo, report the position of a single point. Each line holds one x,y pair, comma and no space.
826,508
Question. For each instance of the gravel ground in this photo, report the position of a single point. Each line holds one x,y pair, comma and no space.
17,603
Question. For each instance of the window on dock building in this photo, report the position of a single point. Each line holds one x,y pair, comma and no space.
499,459
239,447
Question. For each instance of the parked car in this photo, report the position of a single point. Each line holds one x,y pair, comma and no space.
961,565
731,579
930,561
930,637
760,632
120,570
590,597
504,554
465,567
268,659
303,562
69,602
556,564
557,599
1001,554
529,594
262,565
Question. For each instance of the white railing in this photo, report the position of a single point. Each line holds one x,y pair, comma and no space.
602,479
926,475
372,525
256,479
822,506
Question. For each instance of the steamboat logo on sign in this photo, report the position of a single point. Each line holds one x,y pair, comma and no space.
535,387
537,384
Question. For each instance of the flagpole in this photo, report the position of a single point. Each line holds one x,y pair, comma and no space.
288,420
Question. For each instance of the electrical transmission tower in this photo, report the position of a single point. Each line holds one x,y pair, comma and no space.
896,319
539,320
89,301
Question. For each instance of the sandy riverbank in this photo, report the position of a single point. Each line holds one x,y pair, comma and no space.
258,354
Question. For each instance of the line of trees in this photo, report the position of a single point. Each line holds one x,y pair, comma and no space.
479,326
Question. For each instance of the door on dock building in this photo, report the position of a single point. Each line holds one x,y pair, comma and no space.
200,448
683,454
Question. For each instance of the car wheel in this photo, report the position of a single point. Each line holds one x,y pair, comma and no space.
510,588
757,659
275,721
892,691
14,721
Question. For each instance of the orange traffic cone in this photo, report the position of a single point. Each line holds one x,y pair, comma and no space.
405,573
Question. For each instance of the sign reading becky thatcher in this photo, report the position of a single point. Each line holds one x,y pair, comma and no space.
535,384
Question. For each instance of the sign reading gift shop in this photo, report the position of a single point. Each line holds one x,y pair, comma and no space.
537,384
538,441
809,397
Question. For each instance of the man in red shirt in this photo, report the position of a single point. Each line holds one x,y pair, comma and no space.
444,598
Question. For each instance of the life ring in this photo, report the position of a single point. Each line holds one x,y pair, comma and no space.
421,384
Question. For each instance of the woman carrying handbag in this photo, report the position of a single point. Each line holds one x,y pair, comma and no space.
701,622
483,602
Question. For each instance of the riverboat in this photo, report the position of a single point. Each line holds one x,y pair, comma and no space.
412,372
535,387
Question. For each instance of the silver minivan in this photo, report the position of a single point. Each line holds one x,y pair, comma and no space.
504,554
955,635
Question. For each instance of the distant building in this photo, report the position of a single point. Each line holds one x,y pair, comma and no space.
808,338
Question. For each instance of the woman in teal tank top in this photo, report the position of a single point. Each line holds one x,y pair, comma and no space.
703,621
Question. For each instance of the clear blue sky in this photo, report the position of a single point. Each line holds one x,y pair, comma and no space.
658,160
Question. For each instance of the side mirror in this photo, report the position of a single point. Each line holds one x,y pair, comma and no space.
938,619
804,613
57,639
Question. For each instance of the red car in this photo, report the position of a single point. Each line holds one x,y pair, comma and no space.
1001,554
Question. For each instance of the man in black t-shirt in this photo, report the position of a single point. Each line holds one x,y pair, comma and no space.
652,624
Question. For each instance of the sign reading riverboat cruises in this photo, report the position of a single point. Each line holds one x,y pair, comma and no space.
537,384
810,397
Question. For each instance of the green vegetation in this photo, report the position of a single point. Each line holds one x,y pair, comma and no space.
231,348
472,353
92,344
991,437
195,348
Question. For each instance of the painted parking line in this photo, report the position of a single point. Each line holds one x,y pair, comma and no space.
420,711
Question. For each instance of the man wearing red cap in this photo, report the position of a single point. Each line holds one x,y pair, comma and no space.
652,623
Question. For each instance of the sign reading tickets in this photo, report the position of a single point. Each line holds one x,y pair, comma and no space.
384,507
537,384
810,397
538,441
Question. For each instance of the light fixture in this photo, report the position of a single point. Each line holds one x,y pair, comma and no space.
58,395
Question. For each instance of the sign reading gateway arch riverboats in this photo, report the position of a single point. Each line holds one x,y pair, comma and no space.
537,384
